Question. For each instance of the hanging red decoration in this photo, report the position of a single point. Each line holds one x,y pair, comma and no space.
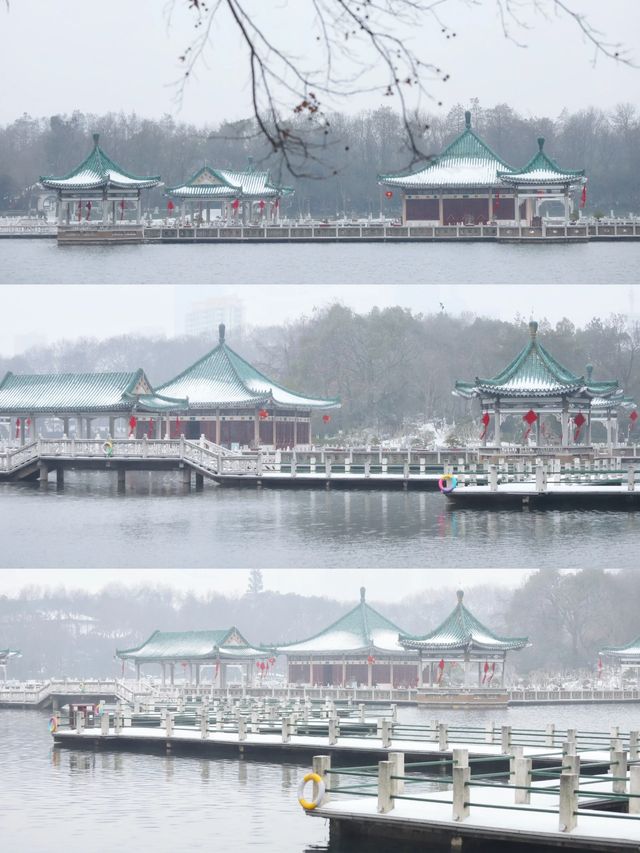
326,418
493,672
17,427
79,211
122,207
583,197
184,664
371,659
485,422
263,414
486,671
496,203
235,204
272,661
633,417
440,671
530,418
579,421
150,430
133,421
389,194
261,205
89,205
170,205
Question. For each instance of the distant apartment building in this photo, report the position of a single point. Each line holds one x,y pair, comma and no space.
205,316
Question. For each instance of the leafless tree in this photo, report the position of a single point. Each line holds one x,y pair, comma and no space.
352,47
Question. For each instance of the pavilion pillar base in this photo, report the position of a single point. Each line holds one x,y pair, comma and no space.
60,477
199,482
186,479
43,475
122,479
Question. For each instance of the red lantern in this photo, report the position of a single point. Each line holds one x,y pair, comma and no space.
263,414
485,421
326,418
184,664
389,194
133,421
17,427
122,207
235,204
633,417
170,205
261,205
530,418
272,661
371,659
579,421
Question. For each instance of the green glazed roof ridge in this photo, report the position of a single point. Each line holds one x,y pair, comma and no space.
201,170
634,644
100,162
222,175
466,622
350,614
541,160
216,637
450,152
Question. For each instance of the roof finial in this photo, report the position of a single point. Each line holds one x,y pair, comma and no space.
221,328
363,591
533,328
96,139
460,595
467,119
589,371
541,142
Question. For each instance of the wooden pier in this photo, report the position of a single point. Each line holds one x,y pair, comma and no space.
547,483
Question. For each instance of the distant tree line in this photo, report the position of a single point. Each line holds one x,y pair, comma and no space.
393,370
568,617
605,143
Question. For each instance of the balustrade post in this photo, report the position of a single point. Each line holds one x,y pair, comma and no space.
443,740
242,728
104,722
522,778
550,735
631,478
385,733
321,766
505,739
488,732
633,745
461,775
396,759
333,731
168,728
286,730
634,789
204,724
385,796
618,769
568,805
493,478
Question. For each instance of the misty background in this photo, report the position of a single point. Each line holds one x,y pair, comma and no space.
604,142
568,617
392,368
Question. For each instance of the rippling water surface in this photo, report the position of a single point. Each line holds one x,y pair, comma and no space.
155,525
43,261
79,801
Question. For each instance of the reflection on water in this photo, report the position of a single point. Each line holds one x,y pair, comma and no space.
43,262
155,525
76,801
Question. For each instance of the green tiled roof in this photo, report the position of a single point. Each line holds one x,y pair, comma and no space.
362,629
82,392
631,650
461,631
542,170
5,654
466,162
192,645
229,183
222,378
99,170
535,373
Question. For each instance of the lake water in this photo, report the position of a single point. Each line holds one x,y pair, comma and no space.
80,801
42,261
155,525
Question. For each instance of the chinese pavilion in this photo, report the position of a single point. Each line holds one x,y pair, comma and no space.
230,402
193,650
624,656
534,384
248,196
81,398
361,647
542,180
468,183
5,657
98,190
460,641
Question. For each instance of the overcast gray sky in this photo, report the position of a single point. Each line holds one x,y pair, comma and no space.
390,584
123,55
106,310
